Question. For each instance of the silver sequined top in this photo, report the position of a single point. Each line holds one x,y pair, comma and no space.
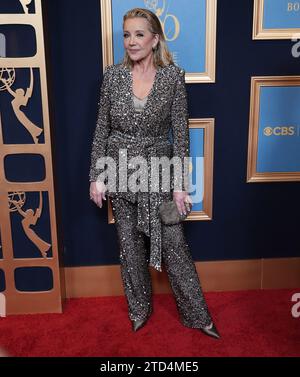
127,128
139,103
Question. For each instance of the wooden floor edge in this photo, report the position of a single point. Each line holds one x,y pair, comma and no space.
228,275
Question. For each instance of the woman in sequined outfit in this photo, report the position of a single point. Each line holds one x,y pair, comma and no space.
141,100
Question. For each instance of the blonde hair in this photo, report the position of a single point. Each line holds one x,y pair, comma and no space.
161,54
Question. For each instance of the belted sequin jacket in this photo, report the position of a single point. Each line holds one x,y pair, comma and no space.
122,133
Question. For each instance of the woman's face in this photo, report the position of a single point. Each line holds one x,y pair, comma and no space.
138,39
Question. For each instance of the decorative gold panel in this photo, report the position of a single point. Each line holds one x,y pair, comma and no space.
258,130
28,207
160,8
260,32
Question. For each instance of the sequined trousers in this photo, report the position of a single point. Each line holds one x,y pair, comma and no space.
178,262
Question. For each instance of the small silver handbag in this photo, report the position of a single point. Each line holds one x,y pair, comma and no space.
169,213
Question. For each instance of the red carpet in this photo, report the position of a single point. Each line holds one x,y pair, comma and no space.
251,323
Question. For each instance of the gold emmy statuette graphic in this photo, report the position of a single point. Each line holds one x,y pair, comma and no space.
153,5
25,4
16,201
20,99
11,76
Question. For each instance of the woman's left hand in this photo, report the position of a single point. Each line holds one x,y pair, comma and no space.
180,198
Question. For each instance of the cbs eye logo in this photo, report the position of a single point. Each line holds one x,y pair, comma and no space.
280,131
268,131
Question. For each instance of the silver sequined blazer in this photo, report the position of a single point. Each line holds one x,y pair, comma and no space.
145,133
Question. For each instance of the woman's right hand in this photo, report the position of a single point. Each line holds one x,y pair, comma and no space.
97,193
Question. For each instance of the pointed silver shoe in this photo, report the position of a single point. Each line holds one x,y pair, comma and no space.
211,330
138,324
